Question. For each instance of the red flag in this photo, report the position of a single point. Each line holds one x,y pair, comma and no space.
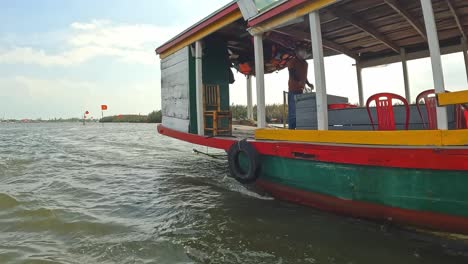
103,107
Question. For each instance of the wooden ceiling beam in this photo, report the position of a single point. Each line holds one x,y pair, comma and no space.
395,5
457,18
364,26
302,36
339,48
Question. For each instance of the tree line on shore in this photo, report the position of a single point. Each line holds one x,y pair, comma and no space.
274,114
153,117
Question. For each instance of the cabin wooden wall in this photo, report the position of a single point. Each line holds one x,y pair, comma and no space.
175,90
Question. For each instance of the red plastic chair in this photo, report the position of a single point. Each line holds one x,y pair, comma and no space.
384,109
430,101
461,117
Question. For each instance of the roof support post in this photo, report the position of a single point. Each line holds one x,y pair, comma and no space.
249,98
404,64
465,54
359,83
199,87
436,59
319,69
260,81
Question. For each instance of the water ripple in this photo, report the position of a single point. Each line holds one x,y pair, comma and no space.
121,193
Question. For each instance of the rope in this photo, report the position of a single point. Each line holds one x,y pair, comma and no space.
219,156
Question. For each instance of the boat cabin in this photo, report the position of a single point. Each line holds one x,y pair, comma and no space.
258,37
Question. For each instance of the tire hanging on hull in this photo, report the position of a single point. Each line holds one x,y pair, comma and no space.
241,175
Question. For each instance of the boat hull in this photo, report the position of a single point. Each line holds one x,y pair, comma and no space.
417,186
431,199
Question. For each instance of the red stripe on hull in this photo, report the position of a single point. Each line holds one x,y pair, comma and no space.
211,142
409,158
367,210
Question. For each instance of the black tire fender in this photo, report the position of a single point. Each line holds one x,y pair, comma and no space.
235,169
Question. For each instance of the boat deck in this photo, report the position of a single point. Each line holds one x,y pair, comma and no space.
241,131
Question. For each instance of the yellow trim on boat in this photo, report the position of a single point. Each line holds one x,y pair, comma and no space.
389,138
228,19
284,18
453,98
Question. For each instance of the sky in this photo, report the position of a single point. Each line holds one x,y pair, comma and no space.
60,58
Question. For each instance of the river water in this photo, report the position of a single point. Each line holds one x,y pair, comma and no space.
121,193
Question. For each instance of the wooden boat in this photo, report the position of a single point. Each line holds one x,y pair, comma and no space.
416,176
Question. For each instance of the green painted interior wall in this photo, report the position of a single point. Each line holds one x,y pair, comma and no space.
216,68
215,71
193,127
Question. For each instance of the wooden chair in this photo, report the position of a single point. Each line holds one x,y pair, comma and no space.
212,111
384,109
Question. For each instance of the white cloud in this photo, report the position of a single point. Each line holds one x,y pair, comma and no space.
23,96
99,38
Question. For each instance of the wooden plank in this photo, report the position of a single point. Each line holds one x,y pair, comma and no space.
381,138
201,33
453,98
302,36
408,16
283,18
175,90
339,48
217,18
382,60
456,17
364,26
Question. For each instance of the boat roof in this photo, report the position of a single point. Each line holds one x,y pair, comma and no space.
370,31
212,18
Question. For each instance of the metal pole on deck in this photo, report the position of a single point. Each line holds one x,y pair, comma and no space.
465,54
285,94
199,86
319,69
359,83
249,98
436,60
260,81
405,74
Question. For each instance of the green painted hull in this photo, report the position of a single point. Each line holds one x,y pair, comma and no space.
441,192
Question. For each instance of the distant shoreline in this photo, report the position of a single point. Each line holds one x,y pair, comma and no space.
153,117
